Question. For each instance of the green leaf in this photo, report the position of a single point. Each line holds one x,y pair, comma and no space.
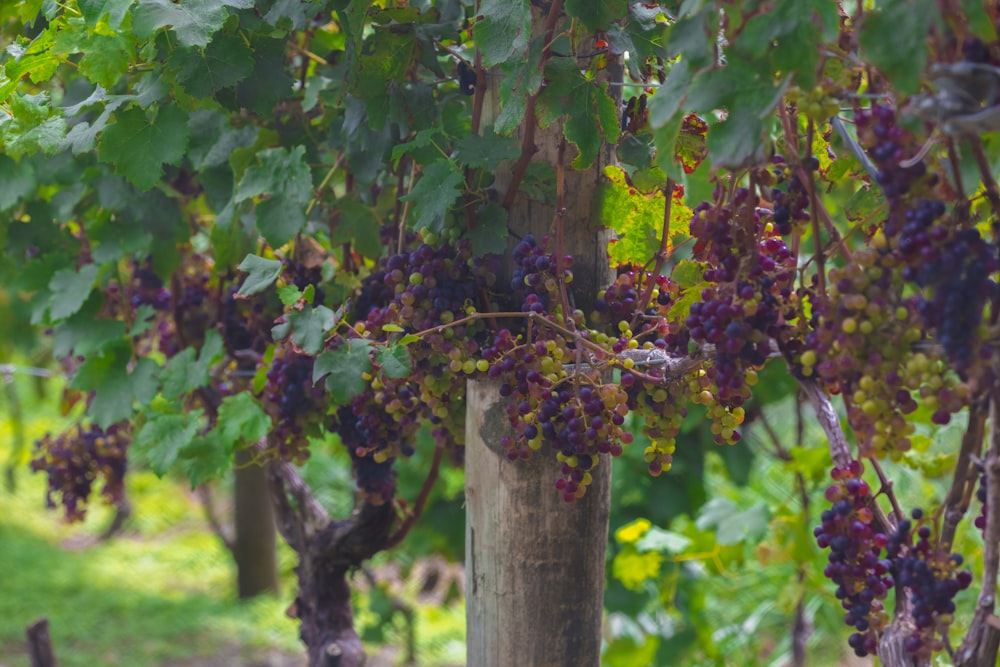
17,181
289,295
490,233
241,420
206,457
94,10
503,30
203,72
738,140
345,367
666,541
358,225
310,326
688,273
107,373
394,360
263,272
279,219
183,373
597,15
285,177
903,56
139,146
69,289
162,437
194,21
434,194
731,526
486,151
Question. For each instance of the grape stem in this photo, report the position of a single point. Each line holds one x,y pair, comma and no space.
661,254
421,502
963,482
559,221
810,183
887,489
982,642
529,123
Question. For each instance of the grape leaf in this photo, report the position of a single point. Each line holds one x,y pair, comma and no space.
359,225
183,373
667,541
903,57
310,326
139,146
223,63
107,373
94,10
434,194
690,149
285,177
636,218
486,151
161,438
732,526
279,219
207,457
289,295
194,21
503,30
69,289
394,360
263,272
241,420
345,367
490,233
597,15
17,181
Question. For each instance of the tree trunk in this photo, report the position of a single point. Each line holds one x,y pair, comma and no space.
254,546
327,550
534,563
40,644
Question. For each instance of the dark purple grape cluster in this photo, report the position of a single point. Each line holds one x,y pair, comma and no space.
790,197
571,411
959,275
620,300
76,458
932,578
889,146
856,565
147,289
538,277
293,402
373,475
752,272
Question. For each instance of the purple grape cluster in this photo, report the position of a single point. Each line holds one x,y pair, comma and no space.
932,578
374,476
578,417
791,204
889,146
855,561
147,289
751,271
293,402
537,277
76,458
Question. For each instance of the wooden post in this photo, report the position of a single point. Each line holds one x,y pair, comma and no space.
40,644
534,563
256,535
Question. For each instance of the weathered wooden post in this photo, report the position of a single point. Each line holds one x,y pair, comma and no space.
535,563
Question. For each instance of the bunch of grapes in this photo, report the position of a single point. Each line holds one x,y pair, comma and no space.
373,474
146,288
293,402
539,277
865,345
932,578
750,299
73,461
953,265
791,204
856,565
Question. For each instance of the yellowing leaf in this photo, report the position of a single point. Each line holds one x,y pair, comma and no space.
632,532
633,569
637,218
